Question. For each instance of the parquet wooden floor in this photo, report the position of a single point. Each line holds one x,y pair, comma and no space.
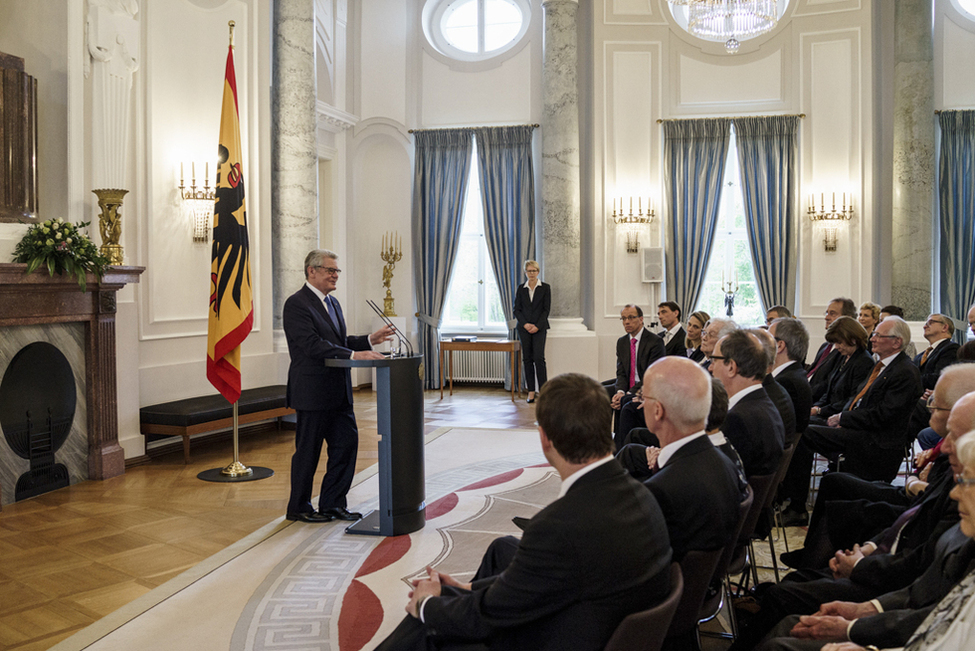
70,557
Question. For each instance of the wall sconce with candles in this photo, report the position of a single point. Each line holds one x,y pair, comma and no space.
831,214
199,201
633,221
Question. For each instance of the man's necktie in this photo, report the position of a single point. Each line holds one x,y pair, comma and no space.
632,361
924,357
877,368
820,360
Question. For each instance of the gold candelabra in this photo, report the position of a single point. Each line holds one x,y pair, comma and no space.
391,253
110,223
830,215
633,222
200,202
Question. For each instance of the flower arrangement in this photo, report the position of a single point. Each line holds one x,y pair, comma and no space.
61,246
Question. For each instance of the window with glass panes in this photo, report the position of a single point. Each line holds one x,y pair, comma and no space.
730,255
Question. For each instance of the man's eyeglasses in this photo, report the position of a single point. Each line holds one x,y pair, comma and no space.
933,321
630,318
932,407
714,357
876,336
331,271
962,480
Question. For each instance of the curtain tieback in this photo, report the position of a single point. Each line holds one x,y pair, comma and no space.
429,320
512,323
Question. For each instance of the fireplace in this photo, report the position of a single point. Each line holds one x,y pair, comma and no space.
62,313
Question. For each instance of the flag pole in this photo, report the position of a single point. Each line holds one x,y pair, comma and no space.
236,469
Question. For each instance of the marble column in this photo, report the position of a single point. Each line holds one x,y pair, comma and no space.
560,159
294,148
913,187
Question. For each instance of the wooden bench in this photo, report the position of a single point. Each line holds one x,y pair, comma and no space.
210,413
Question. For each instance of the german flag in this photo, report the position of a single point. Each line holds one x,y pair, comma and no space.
231,302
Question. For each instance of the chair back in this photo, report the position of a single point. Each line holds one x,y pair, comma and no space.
780,475
712,603
645,630
760,485
697,568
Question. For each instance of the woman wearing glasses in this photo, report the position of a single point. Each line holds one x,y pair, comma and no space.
533,300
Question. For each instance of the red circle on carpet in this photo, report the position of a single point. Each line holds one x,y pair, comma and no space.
360,617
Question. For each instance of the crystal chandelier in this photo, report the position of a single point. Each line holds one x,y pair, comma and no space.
728,20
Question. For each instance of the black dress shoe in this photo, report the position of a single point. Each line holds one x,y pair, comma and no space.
314,517
794,559
341,513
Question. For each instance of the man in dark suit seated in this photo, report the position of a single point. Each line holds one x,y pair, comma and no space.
753,424
673,335
791,345
827,356
777,312
871,432
596,554
776,392
635,351
940,353
321,396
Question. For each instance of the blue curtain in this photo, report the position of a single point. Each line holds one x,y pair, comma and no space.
504,155
768,157
695,152
442,163
957,194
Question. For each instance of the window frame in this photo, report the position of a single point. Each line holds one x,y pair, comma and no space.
434,12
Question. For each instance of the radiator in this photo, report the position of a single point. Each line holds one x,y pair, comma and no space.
478,366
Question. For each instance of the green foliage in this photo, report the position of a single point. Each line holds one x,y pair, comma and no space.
61,247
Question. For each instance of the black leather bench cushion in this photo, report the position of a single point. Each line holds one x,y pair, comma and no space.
193,411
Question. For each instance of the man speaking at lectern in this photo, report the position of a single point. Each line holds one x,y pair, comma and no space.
322,396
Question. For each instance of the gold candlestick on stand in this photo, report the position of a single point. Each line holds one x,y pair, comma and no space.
391,253
110,223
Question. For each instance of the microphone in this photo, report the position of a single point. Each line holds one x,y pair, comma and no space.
402,340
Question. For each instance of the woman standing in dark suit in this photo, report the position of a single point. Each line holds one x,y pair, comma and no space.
533,300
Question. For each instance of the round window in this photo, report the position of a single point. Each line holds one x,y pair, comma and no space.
474,30
728,22
967,7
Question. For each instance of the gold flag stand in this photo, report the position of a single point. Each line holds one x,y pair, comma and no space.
236,471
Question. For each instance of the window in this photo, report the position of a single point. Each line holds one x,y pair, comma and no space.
731,255
681,17
967,7
473,302
473,30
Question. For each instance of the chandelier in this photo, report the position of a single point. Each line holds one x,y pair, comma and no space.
727,20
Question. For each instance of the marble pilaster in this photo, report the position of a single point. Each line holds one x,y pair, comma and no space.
913,186
294,165
561,219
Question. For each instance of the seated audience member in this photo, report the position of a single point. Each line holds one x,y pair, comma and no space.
869,317
971,319
599,552
635,351
776,392
777,312
895,310
668,313
791,345
941,352
849,509
852,370
827,357
753,425
695,327
871,431
714,329
863,573
936,611
642,446
966,353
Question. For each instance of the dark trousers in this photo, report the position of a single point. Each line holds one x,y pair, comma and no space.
863,457
336,428
533,355
631,417
414,635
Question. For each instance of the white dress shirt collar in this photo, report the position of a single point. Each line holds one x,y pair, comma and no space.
574,477
735,399
668,450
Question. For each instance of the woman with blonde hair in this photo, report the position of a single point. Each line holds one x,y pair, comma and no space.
694,327
533,300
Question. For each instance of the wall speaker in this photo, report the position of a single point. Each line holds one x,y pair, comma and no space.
653,264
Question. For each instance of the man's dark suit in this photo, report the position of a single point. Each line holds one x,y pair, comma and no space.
783,404
535,311
649,350
755,428
697,490
904,609
322,397
793,380
819,379
676,345
942,356
873,433
585,561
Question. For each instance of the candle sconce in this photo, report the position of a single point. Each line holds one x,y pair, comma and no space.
199,201
830,215
633,222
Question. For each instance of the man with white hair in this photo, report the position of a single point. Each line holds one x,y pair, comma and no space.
871,431
714,330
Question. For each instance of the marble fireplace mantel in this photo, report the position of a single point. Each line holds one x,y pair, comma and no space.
38,298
